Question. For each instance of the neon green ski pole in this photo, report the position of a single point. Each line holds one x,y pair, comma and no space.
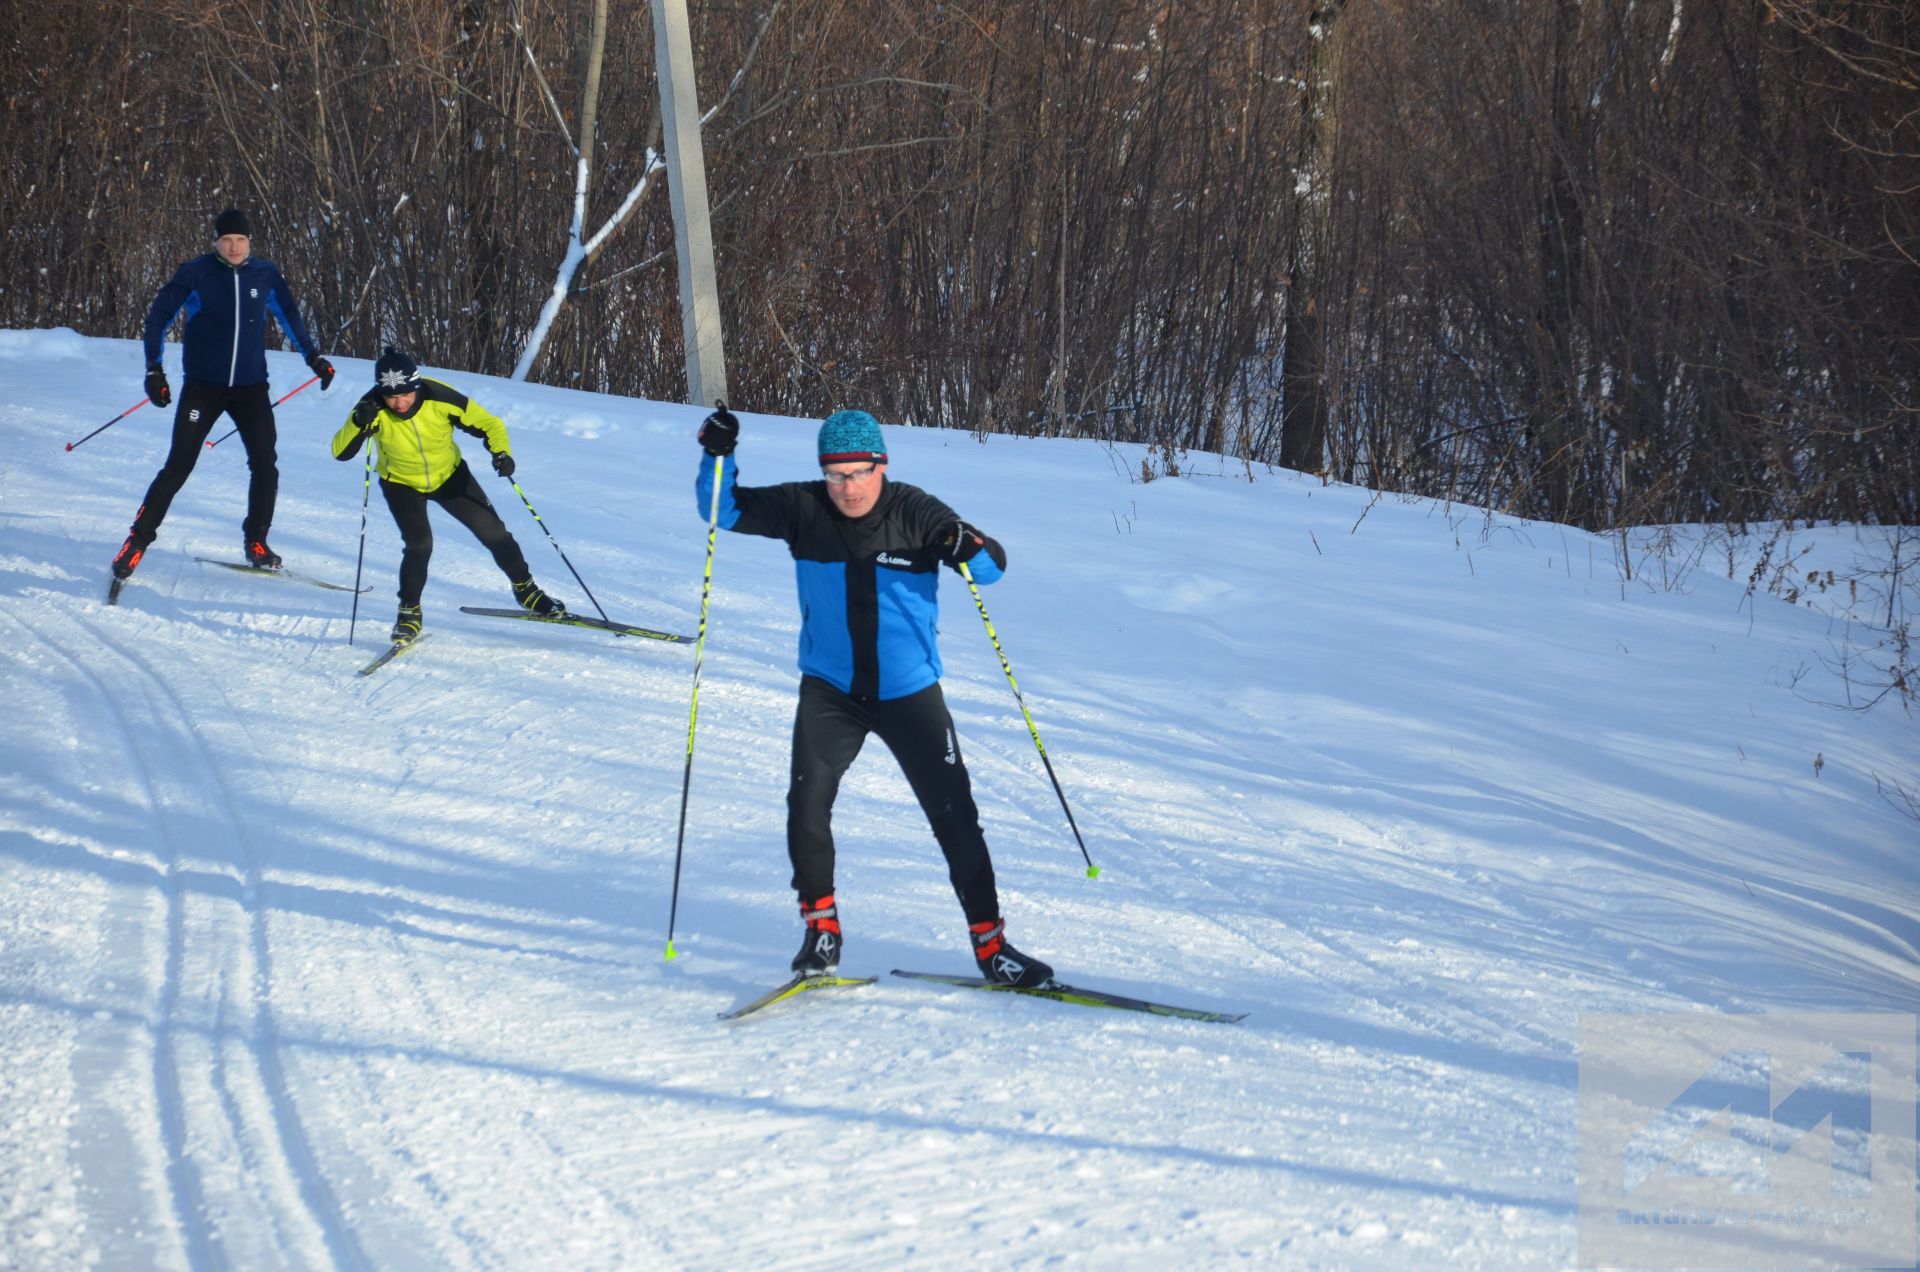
693,712
1093,871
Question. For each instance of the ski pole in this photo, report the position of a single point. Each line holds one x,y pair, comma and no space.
110,423
366,493
693,712
1093,871
277,401
556,547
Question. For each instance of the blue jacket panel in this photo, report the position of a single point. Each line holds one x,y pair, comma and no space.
226,318
868,587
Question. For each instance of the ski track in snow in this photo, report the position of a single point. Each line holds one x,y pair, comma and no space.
300,969
214,1043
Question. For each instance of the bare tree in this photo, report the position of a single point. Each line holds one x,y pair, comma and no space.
1607,262
580,248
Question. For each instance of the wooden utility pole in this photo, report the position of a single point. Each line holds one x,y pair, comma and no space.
687,185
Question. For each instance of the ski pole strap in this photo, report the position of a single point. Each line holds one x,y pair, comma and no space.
1093,871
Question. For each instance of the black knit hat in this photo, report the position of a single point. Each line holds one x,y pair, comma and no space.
232,221
396,372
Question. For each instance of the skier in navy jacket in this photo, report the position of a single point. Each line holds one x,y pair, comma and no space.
227,295
867,553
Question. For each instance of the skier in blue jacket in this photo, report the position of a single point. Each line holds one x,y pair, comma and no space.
227,295
867,553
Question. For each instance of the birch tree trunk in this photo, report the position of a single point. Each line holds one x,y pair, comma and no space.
576,253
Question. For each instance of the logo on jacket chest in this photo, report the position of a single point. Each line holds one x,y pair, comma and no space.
254,292
888,558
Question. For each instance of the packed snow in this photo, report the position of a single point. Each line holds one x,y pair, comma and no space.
305,969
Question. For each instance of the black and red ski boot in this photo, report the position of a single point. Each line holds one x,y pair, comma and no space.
129,556
259,555
820,948
1000,963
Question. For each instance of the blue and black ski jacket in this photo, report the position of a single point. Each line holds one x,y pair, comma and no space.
226,308
869,610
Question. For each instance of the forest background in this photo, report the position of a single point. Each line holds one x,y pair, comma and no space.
1603,262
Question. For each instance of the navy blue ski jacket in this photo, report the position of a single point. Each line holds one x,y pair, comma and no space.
226,308
869,610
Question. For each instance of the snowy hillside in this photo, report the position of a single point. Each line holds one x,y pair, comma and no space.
303,969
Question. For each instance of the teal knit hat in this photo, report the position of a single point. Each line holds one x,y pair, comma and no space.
851,437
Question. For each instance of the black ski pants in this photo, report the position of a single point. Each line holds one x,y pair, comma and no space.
193,419
828,731
466,503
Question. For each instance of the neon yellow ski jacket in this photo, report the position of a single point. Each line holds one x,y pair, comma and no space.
417,449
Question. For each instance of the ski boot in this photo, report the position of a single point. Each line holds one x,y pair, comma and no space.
129,556
258,554
534,601
1000,963
406,627
820,948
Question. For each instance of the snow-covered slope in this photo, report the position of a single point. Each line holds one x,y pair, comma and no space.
299,968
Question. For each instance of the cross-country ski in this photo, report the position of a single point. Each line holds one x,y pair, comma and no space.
393,651
1064,993
570,619
801,984
280,572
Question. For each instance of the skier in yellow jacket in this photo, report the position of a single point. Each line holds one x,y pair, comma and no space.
412,420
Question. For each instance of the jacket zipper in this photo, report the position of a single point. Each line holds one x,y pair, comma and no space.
426,470
233,367
420,444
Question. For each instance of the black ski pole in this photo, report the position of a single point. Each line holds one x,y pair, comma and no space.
277,401
693,712
557,548
366,493
110,423
1093,871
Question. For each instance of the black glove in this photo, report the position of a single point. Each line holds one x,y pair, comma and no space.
503,464
157,391
322,368
960,543
366,414
720,432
